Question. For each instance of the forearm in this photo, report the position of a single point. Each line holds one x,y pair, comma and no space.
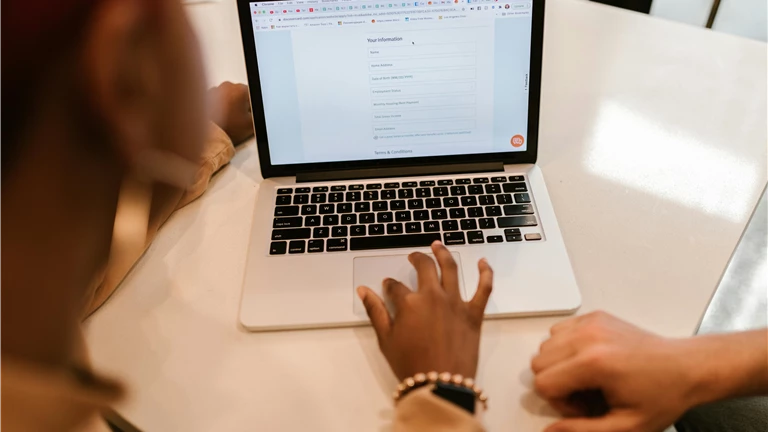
734,365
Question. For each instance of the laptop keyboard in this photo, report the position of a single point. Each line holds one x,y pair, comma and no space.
385,215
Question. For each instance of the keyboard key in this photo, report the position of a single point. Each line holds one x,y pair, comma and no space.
504,199
403,216
302,190
458,190
327,208
376,229
440,191
532,237
297,246
515,187
475,237
309,209
312,221
301,199
421,215
361,207
388,194
423,192
405,193
495,239
492,189
516,221
339,231
444,182
329,220
284,191
288,222
480,180
431,226
353,196
278,248
475,212
397,205
335,197
409,184
438,214
316,246
415,204
475,189
395,228
384,217
463,181
393,241
336,245
487,223
493,211
349,219
468,201
344,208
517,178
319,189
371,195
433,203
425,183
450,202
514,238
468,224
291,234
357,187
457,213
512,231
455,238
413,227
522,198
520,209
287,211
367,218
391,185
380,206
487,200
338,188
450,225
499,179
321,232
373,186
283,200
357,230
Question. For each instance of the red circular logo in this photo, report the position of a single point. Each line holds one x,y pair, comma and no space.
517,141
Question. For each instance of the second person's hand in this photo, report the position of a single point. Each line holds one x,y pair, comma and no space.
433,328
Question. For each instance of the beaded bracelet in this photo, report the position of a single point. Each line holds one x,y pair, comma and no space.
422,379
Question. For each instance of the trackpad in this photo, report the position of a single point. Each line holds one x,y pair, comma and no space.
371,271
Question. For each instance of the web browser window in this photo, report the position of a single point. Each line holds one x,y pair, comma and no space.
348,80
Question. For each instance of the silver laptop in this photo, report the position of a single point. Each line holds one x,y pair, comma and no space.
382,127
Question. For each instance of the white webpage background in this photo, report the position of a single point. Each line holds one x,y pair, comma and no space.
334,89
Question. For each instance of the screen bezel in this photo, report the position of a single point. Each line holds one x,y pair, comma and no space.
257,105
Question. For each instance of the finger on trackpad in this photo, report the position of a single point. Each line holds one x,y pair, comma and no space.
371,271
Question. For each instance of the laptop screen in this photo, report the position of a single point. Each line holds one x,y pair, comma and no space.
352,80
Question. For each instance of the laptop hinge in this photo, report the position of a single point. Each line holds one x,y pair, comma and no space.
403,171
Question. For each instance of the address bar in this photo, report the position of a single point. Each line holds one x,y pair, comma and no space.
366,14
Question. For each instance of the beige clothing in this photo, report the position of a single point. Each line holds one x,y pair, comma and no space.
42,399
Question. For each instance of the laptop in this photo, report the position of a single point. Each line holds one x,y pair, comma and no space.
381,127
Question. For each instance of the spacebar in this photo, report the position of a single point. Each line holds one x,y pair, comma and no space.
393,241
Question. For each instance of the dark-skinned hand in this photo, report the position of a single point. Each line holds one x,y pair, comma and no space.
231,108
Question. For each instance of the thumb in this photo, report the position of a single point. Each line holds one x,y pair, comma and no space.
614,421
376,310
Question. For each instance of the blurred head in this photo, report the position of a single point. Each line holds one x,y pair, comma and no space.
88,87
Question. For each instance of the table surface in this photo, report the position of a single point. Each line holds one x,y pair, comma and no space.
653,148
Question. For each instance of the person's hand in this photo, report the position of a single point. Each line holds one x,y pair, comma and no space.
611,376
232,110
433,328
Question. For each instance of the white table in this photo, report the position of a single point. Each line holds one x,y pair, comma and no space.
648,235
